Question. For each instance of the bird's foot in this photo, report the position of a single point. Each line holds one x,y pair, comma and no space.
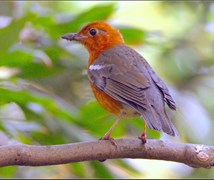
111,140
143,139
143,135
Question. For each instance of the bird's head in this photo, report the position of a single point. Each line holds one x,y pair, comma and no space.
96,37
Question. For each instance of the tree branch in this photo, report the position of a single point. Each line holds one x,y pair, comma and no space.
28,155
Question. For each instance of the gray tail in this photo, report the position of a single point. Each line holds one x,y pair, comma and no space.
158,120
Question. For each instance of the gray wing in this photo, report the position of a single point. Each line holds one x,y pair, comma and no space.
121,73
163,88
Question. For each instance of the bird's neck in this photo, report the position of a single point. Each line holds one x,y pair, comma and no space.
92,56
95,52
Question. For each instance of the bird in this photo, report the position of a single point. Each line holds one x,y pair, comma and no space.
122,80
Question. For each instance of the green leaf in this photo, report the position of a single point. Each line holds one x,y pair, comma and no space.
48,138
23,139
91,116
126,166
78,169
131,35
100,171
23,97
97,13
8,172
10,34
17,58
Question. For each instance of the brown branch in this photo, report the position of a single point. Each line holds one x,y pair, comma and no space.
27,155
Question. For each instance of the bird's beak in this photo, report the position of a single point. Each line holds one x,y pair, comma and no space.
73,37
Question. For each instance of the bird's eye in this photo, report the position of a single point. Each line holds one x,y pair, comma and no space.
93,32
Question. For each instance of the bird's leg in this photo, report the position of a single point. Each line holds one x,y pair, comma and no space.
107,135
143,135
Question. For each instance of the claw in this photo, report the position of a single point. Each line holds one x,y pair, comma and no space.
109,139
143,139
143,135
107,135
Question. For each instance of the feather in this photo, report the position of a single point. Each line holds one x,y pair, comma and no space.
128,78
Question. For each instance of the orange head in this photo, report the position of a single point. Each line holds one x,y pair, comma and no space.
96,37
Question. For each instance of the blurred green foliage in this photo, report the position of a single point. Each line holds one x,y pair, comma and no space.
44,93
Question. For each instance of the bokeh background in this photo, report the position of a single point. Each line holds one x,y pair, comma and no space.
45,98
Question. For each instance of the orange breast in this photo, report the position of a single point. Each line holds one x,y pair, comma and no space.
106,101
